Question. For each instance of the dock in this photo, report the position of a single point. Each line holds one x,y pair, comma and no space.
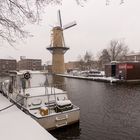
98,79
16,125
102,79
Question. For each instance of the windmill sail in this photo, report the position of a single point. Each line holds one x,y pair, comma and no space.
69,25
59,18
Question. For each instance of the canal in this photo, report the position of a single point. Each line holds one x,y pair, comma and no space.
107,111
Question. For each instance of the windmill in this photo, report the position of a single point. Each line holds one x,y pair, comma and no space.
57,46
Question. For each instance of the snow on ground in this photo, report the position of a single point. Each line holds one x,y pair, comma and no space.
109,79
16,125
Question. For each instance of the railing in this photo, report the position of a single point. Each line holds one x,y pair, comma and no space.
59,86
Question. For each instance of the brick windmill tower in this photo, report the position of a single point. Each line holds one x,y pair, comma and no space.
58,47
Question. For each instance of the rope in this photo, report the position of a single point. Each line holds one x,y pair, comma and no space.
7,107
10,105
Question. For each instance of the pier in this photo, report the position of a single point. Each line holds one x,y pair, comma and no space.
99,79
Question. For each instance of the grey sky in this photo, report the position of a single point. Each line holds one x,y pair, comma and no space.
96,25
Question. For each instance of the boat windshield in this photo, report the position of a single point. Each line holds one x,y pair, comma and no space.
35,80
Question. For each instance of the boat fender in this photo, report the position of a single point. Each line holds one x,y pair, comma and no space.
27,75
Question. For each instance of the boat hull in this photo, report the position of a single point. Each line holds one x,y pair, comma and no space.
59,119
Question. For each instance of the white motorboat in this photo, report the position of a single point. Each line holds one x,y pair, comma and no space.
95,73
47,104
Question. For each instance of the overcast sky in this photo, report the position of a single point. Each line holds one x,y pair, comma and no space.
97,24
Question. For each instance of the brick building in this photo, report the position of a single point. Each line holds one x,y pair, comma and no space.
71,65
7,64
123,70
29,64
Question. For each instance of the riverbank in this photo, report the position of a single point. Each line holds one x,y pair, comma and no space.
15,124
99,79
102,79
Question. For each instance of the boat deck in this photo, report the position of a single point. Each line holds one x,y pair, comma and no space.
36,112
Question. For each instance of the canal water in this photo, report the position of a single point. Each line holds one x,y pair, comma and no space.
107,111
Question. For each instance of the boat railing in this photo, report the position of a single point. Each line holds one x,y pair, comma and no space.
57,86
51,91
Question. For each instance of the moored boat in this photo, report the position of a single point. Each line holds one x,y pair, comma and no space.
95,73
48,104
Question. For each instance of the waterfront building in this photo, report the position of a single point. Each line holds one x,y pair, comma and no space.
123,70
81,65
7,64
29,64
72,65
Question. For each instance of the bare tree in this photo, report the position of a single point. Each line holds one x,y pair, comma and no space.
115,52
14,14
105,56
109,1
81,63
88,56
86,61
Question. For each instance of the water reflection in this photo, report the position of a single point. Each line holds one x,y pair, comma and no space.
57,79
107,112
70,132
59,82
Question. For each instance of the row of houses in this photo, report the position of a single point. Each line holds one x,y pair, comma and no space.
29,64
33,64
128,68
